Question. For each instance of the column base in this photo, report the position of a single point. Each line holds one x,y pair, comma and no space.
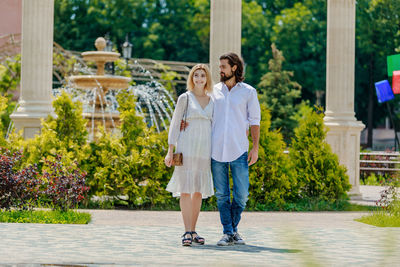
355,196
344,138
28,118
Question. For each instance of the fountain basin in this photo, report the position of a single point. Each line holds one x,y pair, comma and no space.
100,56
106,82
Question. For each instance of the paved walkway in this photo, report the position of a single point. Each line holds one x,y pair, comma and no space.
148,238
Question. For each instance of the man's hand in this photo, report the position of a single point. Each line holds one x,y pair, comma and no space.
253,156
255,135
184,125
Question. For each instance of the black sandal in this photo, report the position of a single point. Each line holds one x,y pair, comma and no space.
198,239
187,241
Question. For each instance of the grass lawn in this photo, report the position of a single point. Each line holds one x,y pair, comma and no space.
45,216
381,219
357,207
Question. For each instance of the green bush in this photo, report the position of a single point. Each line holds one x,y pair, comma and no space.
64,135
319,174
131,165
273,177
374,179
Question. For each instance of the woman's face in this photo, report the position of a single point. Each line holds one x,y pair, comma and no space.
199,78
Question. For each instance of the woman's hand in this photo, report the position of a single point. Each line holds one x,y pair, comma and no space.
168,158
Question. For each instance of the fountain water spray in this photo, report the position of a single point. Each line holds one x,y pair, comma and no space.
98,92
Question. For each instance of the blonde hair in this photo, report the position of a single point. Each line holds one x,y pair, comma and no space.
190,85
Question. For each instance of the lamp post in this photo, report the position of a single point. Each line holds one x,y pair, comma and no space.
109,47
109,43
127,49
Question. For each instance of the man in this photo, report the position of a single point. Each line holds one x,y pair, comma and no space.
236,107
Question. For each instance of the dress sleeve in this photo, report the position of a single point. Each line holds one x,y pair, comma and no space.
174,128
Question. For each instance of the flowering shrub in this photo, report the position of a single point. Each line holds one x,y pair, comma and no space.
18,188
64,186
389,200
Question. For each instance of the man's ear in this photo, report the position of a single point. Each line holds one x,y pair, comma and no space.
234,67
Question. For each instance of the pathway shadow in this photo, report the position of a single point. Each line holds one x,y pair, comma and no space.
246,248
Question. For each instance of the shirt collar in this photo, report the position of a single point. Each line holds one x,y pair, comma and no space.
225,88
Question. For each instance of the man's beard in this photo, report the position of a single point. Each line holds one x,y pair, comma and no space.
225,78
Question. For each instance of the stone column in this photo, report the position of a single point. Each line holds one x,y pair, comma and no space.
225,31
344,129
36,66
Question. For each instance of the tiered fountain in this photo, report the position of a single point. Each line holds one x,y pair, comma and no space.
100,84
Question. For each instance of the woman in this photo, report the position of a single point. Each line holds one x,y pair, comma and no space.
192,181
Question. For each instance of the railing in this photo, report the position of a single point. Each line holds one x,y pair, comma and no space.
379,162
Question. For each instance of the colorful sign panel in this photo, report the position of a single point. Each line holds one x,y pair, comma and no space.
384,91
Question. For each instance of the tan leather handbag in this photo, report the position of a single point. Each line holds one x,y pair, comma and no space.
177,158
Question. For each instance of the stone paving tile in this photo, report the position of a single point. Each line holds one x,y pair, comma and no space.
102,245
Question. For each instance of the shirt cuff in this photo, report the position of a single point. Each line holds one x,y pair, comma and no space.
254,122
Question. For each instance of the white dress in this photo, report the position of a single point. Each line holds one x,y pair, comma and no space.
195,145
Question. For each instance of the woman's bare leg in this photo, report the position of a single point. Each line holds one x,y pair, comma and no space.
185,203
196,205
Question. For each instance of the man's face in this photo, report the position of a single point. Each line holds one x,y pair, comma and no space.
225,70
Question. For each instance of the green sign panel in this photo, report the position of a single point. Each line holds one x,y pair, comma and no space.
393,63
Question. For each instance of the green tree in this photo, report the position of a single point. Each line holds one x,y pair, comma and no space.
169,30
377,36
299,30
256,27
279,93
319,174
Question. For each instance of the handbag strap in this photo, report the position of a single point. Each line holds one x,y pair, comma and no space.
187,104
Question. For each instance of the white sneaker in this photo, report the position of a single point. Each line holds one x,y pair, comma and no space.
226,240
237,239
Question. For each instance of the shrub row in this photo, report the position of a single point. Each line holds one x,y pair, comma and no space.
131,164
310,172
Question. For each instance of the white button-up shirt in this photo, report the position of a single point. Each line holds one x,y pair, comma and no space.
234,111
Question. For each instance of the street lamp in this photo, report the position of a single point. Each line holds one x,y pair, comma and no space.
109,48
109,43
127,49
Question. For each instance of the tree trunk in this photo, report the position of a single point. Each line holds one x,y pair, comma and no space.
371,95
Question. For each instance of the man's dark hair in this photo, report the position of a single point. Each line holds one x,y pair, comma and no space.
234,59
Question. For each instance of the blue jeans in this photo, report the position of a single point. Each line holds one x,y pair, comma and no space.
230,212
